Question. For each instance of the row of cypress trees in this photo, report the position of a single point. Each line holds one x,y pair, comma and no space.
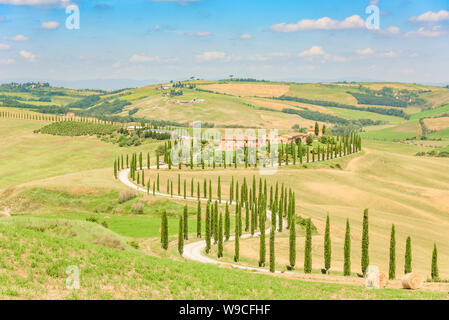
344,145
282,206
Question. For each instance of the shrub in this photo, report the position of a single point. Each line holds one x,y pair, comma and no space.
126,195
137,208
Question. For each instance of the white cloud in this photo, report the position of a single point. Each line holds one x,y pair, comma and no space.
426,33
314,51
212,55
28,55
7,61
365,52
390,54
4,46
59,3
339,59
246,36
49,25
325,23
141,58
430,16
199,34
19,37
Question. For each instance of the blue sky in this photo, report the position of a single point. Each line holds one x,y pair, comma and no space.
278,40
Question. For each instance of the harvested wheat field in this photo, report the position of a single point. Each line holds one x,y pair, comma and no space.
436,124
248,90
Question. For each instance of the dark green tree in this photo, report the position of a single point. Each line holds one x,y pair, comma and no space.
347,251
164,231
435,273
327,245
220,236
181,236
227,223
365,242
308,248
408,256
292,237
198,220
392,268
208,233
317,129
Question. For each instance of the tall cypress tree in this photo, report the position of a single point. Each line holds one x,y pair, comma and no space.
231,191
347,250
435,273
237,241
181,236
308,248
262,249
292,239
164,231
227,223
216,221
208,242
408,256
220,236
392,269
272,242
327,245
198,221
365,243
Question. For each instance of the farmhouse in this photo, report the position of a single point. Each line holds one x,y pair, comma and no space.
292,137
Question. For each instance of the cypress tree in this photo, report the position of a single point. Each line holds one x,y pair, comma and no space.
186,224
158,182
191,188
408,256
164,231
247,218
231,191
392,269
227,223
435,273
292,240
308,248
272,242
115,169
220,236
365,243
262,249
237,240
327,245
181,236
208,242
179,184
216,221
205,188
154,189
143,178
347,250
198,221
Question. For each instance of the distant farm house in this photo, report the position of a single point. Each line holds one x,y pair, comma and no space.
292,137
70,115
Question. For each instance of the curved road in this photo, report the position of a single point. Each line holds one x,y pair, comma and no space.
194,250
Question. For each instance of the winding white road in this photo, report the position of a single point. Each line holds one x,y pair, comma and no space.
194,250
